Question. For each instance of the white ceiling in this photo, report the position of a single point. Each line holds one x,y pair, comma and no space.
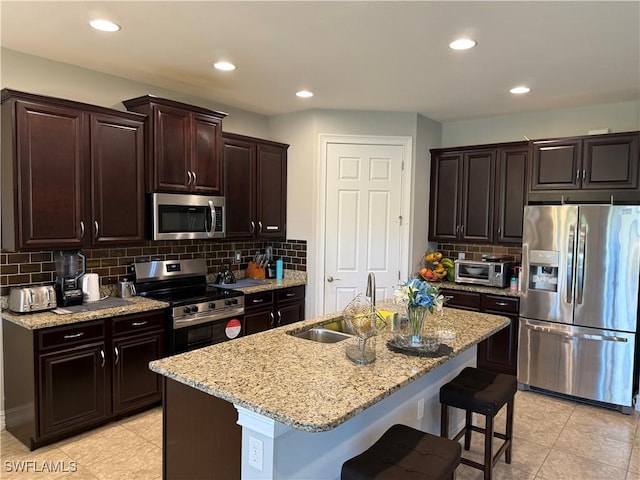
389,56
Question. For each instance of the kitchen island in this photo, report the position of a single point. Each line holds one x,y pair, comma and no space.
303,406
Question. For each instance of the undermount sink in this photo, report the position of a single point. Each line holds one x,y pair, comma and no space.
331,332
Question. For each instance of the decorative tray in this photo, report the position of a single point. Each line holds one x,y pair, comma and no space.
431,347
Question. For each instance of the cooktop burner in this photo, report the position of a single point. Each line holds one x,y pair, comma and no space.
204,293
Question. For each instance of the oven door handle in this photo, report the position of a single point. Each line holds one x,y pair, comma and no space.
227,314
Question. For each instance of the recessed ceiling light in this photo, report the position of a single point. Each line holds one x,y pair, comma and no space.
226,66
520,90
104,25
462,44
304,94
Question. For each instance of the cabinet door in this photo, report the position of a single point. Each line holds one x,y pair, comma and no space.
271,191
117,180
51,151
556,164
258,320
73,386
512,194
445,188
289,313
239,181
611,162
134,385
462,300
206,164
171,149
499,353
476,210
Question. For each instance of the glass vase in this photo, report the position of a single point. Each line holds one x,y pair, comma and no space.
415,316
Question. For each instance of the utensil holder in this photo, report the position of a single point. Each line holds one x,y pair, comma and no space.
254,271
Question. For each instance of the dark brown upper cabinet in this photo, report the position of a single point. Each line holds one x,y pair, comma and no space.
72,174
586,169
478,193
184,146
462,196
255,185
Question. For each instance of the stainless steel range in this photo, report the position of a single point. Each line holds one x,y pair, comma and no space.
200,314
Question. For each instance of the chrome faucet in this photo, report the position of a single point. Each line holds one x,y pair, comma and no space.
371,290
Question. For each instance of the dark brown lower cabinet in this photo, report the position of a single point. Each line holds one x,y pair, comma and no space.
201,438
62,380
265,310
498,353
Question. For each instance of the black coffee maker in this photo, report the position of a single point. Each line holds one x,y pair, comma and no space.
69,269
225,275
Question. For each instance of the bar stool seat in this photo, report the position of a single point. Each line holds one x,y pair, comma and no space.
483,392
403,452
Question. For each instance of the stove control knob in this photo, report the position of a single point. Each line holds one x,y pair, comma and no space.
194,309
212,306
231,301
186,310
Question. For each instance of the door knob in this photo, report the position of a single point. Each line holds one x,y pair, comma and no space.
331,279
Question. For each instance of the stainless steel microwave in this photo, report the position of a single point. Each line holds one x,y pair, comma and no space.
488,273
176,216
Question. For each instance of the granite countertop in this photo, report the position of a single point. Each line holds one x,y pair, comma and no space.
35,321
312,386
292,278
480,289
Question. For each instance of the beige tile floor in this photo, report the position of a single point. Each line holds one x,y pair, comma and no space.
555,439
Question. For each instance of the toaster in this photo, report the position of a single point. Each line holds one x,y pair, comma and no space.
32,299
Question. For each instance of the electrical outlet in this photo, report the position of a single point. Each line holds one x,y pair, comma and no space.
420,408
255,453
237,256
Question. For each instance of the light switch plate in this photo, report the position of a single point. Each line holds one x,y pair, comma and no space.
237,256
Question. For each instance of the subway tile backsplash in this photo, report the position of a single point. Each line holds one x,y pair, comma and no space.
23,268
475,252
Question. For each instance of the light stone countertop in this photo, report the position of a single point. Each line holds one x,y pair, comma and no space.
467,287
35,321
312,386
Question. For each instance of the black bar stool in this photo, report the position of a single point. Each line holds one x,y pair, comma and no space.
403,452
485,393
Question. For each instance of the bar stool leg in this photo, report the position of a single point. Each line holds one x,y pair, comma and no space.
444,421
509,430
488,447
467,429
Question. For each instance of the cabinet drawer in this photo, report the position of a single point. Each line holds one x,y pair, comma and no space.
138,322
293,294
256,300
70,334
500,303
461,299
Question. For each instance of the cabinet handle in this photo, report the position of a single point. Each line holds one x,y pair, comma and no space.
584,175
75,335
577,176
195,177
462,229
259,227
253,227
273,319
279,317
257,300
289,295
95,224
502,304
139,324
117,354
499,230
188,177
81,229
103,358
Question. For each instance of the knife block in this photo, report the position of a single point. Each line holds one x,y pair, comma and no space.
255,272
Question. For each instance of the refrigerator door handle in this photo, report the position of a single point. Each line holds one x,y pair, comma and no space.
583,336
582,245
570,247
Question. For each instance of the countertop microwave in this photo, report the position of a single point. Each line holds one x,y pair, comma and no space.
176,216
480,272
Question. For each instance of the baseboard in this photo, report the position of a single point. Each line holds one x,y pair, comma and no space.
3,425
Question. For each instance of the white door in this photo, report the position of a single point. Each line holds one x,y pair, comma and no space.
363,216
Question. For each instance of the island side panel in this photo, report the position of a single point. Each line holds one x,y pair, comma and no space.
201,438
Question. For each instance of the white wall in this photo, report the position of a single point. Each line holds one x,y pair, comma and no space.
618,117
46,77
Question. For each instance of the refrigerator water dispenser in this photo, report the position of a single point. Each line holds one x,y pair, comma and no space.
543,270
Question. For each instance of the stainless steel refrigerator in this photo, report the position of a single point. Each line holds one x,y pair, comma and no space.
579,304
